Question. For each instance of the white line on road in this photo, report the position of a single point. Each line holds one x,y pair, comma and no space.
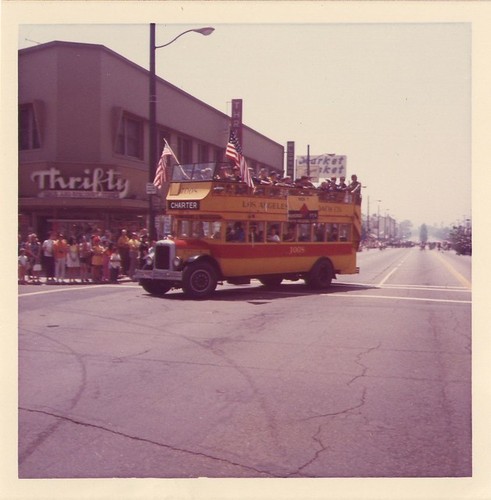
295,293
395,297
72,288
392,272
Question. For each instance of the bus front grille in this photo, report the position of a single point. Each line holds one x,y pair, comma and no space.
162,254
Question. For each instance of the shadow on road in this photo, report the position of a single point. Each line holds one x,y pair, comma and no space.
259,294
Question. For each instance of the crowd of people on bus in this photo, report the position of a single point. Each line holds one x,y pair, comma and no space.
265,178
95,257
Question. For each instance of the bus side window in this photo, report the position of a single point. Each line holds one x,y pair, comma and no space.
304,232
333,234
344,232
198,229
183,228
273,234
256,232
290,232
216,230
235,232
320,232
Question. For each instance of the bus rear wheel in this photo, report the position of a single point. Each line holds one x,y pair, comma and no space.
199,280
321,275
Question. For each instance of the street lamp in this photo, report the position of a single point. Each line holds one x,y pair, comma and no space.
152,151
378,219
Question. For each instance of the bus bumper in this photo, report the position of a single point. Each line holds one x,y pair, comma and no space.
158,274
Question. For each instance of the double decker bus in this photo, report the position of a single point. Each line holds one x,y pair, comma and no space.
225,231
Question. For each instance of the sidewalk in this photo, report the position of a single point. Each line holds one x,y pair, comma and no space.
43,281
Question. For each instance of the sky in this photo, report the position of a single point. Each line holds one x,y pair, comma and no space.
394,97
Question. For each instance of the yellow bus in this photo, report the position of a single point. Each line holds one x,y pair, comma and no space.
225,231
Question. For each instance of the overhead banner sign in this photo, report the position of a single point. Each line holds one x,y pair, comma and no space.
322,166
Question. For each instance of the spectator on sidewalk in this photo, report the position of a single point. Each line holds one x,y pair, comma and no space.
33,251
60,250
85,252
72,261
97,258
124,251
114,265
22,267
49,257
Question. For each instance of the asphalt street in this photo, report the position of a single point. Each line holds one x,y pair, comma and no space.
370,379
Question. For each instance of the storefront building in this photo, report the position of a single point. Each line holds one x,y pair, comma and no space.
83,138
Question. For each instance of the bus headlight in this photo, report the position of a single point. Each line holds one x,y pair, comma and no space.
177,263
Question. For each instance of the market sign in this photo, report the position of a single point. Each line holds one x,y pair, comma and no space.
322,166
96,183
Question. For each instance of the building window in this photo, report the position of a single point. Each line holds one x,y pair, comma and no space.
28,130
203,155
219,155
130,137
184,148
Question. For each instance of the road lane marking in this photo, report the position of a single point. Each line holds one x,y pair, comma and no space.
453,271
459,289
395,297
393,271
71,288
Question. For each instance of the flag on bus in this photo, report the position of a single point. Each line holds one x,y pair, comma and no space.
161,172
234,153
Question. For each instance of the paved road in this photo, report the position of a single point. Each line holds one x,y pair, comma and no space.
369,379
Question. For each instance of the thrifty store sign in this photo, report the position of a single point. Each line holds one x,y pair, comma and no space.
96,183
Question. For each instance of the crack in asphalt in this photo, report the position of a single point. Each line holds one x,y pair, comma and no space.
150,441
361,402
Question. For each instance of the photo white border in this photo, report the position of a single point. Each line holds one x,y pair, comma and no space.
478,14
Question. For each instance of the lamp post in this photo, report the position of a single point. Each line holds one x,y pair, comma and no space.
152,116
378,219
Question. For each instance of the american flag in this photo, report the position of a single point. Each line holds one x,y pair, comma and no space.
234,153
161,173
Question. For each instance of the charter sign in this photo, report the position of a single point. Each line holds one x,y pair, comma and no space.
322,166
96,183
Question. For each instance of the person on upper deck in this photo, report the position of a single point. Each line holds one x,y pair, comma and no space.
355,185
304,182
263,177
273,177
286,182
342,184
332,184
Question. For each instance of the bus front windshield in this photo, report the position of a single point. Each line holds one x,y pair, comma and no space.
194,172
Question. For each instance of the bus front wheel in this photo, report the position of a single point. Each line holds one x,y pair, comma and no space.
155,287
199,280
321,275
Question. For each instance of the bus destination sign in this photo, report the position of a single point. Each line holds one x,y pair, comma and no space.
183,205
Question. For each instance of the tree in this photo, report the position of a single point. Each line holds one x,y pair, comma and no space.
423,233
